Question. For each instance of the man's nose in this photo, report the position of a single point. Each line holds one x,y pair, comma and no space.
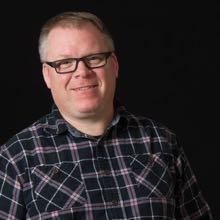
82,70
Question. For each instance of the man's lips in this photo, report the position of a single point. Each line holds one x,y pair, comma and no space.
84,88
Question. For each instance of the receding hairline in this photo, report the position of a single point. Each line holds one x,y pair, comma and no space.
74,19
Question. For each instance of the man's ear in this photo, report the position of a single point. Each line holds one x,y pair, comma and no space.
116,65
46,75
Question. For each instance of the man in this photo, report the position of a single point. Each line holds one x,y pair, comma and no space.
90,158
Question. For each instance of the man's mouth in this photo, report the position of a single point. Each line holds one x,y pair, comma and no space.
84,88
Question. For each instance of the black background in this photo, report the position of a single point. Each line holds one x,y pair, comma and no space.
169,64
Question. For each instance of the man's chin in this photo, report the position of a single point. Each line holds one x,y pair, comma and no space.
89,110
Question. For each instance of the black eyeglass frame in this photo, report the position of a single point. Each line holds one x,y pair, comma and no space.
55,63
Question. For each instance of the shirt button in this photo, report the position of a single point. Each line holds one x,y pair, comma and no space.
114,202
56,170
106,172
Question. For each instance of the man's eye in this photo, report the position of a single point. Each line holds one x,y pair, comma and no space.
64,63
95,58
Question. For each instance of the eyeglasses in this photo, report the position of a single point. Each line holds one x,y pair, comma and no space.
71,64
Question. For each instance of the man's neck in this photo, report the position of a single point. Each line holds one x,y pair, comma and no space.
94,126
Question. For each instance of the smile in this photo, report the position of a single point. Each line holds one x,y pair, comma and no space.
84,88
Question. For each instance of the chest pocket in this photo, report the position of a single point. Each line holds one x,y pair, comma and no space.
153,176
58,186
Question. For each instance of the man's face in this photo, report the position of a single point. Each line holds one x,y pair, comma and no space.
85,93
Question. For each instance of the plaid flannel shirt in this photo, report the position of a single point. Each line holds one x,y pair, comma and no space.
136,170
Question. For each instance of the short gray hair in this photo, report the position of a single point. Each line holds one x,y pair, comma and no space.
71,19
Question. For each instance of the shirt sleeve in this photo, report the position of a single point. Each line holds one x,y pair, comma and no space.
11,202
190,203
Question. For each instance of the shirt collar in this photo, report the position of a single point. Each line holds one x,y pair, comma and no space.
57,124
